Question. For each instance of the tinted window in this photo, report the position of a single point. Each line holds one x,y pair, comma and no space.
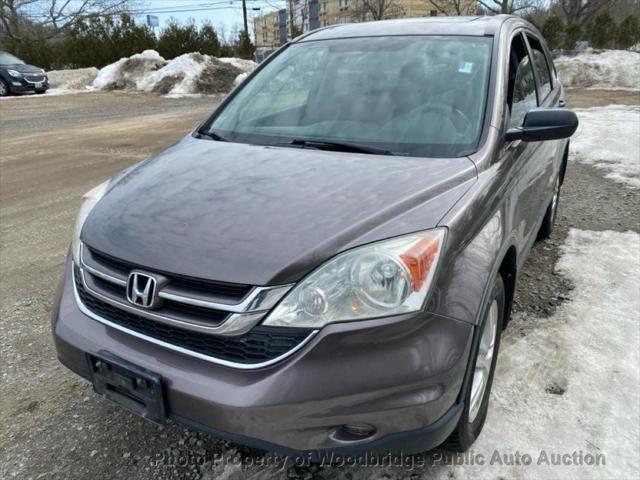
411,95
541,66
524,93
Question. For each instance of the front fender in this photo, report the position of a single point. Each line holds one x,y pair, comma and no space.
467,274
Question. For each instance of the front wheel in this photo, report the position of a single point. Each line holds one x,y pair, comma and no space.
4,88
478,387
40,92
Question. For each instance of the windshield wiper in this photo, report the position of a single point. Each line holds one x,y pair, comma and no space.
212,136
339,146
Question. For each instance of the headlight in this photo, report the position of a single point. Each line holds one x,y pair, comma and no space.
384,278
14,73
89,200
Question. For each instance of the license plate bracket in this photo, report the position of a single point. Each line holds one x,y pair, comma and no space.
130,386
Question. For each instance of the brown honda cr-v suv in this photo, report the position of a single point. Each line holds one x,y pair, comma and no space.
327,262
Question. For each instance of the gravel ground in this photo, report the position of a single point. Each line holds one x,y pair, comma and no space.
55,148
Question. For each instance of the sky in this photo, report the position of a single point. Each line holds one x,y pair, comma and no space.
225,14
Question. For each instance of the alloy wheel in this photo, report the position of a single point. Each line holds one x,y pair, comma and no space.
484,360
554,201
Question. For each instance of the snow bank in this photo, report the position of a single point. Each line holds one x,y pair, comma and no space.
608,69
75,79
177,76
127,72
191,73
609,138
241,63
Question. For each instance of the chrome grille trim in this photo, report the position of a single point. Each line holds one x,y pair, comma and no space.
217,361
259,299
104,276
235,324
34,77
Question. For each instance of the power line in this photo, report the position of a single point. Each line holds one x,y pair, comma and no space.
144,12
202,7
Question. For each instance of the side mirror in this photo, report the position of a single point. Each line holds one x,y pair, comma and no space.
544,124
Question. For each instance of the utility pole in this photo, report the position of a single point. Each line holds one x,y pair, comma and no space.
244,15
290,19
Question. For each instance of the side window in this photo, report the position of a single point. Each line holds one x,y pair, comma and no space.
541,66
522,86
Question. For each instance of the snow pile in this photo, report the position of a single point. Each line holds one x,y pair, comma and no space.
240,78
127,72
609,138
241,63
75,79
191,73
608,69
177,76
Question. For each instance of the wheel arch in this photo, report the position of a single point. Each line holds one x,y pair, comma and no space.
565,160
508,270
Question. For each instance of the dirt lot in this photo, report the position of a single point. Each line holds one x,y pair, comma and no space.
55,148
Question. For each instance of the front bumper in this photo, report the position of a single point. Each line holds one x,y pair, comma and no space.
20,85
401,375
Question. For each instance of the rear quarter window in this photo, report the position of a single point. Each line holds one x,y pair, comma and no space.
541,66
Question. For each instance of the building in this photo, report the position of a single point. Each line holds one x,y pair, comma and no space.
270,30
347,11
306,14
273,29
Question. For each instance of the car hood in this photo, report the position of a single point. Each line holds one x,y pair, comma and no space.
265,215
23,68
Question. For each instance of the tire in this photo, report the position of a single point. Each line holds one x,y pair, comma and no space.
4,88
40,92
476,399
546,229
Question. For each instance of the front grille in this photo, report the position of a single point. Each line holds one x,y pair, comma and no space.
34,78
231,291
183,311
259,345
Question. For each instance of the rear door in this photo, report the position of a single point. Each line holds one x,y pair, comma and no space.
529,169
550,152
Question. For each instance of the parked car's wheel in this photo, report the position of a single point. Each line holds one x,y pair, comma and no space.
550,216
40,92
4,88
478,389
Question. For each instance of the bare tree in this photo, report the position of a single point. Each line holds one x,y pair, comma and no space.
580,12
507,6
378,9
19,17
454,7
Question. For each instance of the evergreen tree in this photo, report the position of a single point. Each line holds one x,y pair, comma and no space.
602,32
552,31
176,39
571,35
629,32
98,41
245,48
208,40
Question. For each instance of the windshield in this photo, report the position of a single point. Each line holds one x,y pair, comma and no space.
8,59
409,95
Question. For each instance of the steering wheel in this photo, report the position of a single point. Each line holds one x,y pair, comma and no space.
460,121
